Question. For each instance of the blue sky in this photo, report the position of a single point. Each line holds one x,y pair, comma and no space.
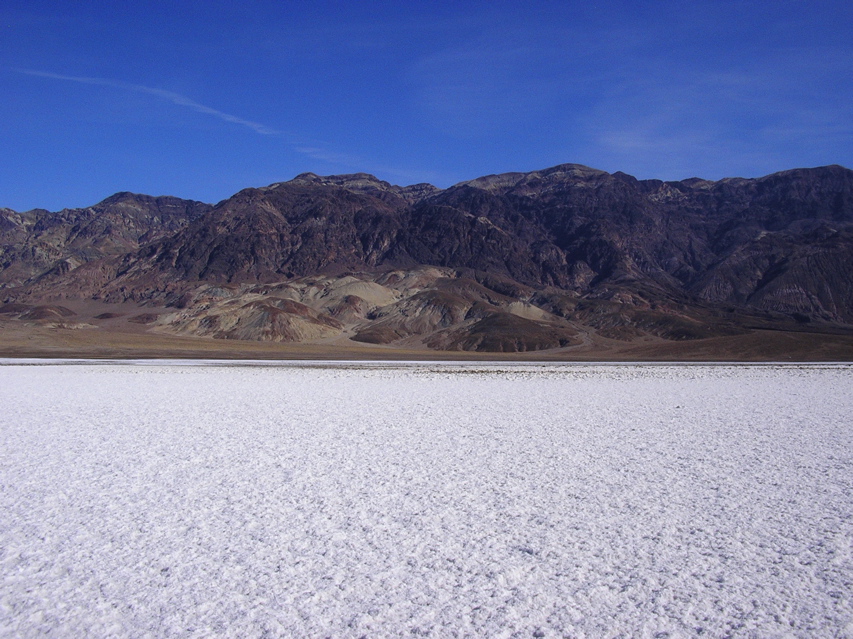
201,99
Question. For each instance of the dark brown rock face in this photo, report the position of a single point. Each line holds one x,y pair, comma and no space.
778,243
37,242
283,231
677,260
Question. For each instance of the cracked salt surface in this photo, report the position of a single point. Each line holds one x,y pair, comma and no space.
444,500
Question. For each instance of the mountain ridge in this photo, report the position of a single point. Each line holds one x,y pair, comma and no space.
588,252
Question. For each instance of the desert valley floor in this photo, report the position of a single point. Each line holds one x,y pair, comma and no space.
197,499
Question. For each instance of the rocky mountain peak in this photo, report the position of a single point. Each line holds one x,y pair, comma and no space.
350,181
560,249
363,183
556,176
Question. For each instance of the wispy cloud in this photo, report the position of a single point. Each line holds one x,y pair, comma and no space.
299,144
174,98
746,116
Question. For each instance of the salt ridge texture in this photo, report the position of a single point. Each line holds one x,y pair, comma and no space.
166,500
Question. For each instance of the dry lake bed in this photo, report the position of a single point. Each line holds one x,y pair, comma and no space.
201,499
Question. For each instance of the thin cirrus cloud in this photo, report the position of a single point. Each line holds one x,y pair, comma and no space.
174,98
302,146
747,118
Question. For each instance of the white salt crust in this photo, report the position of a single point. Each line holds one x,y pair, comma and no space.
440,500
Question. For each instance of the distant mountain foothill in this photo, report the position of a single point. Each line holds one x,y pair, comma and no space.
567,260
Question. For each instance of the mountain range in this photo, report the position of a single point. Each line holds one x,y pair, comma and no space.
566,260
